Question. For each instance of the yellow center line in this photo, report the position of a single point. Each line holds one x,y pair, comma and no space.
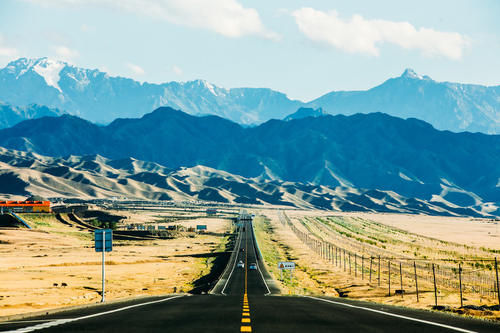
245,327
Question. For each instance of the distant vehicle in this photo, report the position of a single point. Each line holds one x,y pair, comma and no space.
242,249
240,264
252,267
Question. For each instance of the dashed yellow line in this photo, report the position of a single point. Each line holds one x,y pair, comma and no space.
245,316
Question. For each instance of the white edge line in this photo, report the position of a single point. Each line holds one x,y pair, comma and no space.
69,320
394,315
262,260
25,321
234,265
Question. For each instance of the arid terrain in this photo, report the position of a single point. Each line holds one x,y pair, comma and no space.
400,238
55,265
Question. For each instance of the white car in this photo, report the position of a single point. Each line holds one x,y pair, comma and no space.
240,264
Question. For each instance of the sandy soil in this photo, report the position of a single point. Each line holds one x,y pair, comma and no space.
471,231
35,264
315,275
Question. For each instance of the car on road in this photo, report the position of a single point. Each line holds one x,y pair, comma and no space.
242,249
240,264
252,266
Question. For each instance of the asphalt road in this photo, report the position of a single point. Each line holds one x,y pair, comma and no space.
245,300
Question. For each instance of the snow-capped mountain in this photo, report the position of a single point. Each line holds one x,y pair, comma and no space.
445,105
96,96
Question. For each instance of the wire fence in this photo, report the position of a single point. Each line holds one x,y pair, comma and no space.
401,275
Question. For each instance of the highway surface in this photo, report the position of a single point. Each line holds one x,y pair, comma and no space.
246,300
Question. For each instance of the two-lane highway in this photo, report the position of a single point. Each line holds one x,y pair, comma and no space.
246,300
248,254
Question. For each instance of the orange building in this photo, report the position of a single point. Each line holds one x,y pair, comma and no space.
25,206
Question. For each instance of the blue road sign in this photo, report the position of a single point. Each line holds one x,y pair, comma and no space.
108,240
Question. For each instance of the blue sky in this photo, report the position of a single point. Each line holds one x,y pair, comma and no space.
302,48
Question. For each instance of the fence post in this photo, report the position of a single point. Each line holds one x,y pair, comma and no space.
435,288
416,281
460,282
349,263
371,260
363,267
379,270
498,283
401,279
336,261
355,264
344,262
389,268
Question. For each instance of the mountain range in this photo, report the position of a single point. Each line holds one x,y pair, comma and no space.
362,151
11,115
98,97
96,177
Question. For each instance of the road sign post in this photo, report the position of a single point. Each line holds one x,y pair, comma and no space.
103,243
282,265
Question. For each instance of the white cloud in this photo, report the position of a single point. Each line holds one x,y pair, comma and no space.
87,28
226,17
6,51
360,35
136,69
65,53
177,70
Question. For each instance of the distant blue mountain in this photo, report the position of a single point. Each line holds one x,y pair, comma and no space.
306,112
362,151
96,96
11,115
101,98
447,106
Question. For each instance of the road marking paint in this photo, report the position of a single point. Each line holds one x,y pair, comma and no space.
69,320
394,315
26,321
234,265
258,268
246,308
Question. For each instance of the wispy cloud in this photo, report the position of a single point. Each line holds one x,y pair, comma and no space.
5,50
87,28
177,70
136,69
360,35
65,53
226,17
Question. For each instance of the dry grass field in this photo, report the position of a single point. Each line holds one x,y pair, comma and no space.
55,265
419,239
